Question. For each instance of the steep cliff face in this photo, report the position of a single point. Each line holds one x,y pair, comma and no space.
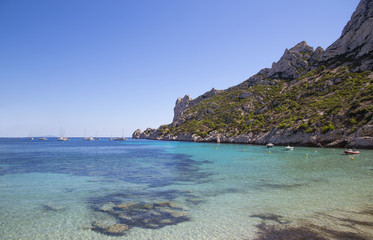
309,97
180,106
355,46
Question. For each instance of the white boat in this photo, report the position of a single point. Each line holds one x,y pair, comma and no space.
43,139
62,138
270,145
31,138
288,148
120,138
88,139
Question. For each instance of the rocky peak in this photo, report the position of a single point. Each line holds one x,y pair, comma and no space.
355,46
293,63
183,103
207,94
301,47
180,106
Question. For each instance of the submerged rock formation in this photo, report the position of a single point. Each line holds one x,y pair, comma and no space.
136,214
308,97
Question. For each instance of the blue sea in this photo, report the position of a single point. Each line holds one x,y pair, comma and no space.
142,189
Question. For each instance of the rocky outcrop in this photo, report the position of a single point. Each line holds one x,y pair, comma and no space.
184,103
180,106
136,134
355,46
293,63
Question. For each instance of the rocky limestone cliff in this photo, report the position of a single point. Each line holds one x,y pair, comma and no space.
355,46
180,106
184,103
305,98
294,62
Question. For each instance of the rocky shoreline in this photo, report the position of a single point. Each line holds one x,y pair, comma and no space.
337,138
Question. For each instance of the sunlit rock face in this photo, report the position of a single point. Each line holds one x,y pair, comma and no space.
355,46
293,63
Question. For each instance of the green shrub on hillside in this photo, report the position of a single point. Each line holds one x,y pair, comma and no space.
323,97
327,128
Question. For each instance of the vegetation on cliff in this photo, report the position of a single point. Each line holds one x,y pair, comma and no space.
308,97
321,100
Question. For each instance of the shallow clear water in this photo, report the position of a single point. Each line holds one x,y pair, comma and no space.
58,190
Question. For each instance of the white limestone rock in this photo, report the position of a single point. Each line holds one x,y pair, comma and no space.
355,46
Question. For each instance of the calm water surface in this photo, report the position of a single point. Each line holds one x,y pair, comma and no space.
181,190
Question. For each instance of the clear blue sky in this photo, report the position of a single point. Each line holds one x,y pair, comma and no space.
108,65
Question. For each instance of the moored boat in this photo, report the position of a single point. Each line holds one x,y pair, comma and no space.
88,139
351,151
288,148
270,145
62,139
120,139
43,139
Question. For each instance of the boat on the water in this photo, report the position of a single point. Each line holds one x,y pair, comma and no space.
43,139
351,151
270,145
120,139
88,139
288,148
62,138
31,138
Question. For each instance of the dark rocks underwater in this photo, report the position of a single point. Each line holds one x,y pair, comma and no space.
138,214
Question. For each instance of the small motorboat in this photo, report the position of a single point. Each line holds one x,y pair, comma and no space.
351,151
288,148
270,145
43,139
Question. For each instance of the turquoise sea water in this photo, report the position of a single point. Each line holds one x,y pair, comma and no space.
63,190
